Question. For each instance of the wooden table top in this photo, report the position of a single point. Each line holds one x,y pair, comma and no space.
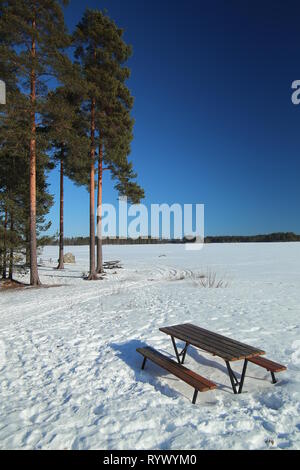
214,343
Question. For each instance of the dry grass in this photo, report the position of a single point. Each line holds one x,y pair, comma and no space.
210,280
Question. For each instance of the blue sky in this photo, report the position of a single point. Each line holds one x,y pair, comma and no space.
214,119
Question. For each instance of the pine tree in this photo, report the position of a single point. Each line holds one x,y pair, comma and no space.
115,126
102,53
67,134
14,172
32,38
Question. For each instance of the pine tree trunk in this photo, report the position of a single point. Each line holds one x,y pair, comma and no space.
4,246
34,276
27,254
99,212
11,251
92,274
61,231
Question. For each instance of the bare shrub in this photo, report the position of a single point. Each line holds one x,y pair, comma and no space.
210,280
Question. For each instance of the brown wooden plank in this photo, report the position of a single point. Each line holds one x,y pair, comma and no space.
235,348
225,338
180,371
227,351
267,364
217,348
214,343
235,353
215,337
192,378
201,345
174,368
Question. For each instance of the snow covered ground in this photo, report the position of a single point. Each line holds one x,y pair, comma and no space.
70,376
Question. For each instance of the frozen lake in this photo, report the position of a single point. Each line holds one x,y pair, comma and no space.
71,378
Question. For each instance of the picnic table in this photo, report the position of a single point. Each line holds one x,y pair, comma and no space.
218,345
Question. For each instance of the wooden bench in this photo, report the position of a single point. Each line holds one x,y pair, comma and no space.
269,365
200,384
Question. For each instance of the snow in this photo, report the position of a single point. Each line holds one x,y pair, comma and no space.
70,376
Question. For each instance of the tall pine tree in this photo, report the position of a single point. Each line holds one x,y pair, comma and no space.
66,130
115,127
14,172
102,52
33,37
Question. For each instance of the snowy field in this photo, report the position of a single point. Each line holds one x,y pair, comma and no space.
70,376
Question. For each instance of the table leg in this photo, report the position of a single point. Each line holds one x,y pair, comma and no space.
144,363
175,349
195,396
233,379
236,382
274,381
243,376
231,376
182,353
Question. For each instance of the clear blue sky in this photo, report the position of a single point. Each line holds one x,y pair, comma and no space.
214,119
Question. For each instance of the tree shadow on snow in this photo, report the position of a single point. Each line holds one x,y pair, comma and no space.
62,276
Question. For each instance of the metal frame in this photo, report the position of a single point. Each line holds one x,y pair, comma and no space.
234,381
195,396
144,363
182,353
237,385
274,381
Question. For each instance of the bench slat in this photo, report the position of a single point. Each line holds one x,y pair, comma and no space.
195,380
267,364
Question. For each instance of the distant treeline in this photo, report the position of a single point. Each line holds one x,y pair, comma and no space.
78,241
272,237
